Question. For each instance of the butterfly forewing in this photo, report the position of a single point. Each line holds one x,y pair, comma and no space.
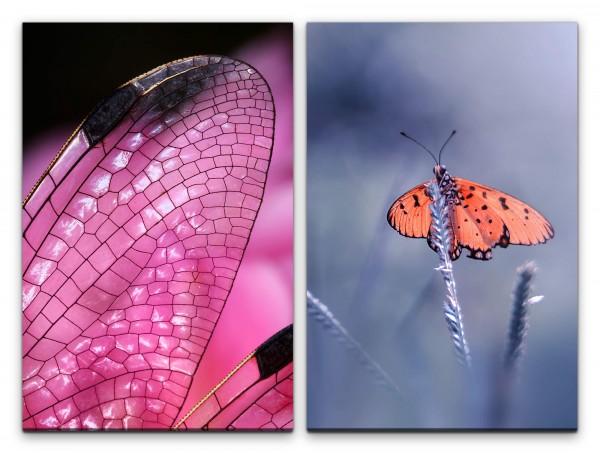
410,214
510,220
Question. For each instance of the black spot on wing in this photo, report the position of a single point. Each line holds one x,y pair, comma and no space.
108,113
503,202
276,352
416,199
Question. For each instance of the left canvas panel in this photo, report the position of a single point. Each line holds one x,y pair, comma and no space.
157,226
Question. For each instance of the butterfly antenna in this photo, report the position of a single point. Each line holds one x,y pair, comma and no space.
417,142
440,155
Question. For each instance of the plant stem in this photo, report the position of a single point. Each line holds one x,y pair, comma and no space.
517,329
323,315
515,344
441,238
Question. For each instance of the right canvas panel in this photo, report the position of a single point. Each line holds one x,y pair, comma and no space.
444,300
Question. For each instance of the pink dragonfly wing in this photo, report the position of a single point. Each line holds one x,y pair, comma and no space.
132,240
257,394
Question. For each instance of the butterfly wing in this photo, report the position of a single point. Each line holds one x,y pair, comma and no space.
132,240
410,214
487,218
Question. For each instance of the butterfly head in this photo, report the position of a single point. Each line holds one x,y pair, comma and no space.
439,171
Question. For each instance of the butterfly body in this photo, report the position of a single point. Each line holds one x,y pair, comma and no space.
480,217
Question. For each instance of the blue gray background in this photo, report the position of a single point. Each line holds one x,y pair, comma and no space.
510,89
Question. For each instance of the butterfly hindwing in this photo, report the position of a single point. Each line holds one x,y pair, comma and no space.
455,247
410,214
479,227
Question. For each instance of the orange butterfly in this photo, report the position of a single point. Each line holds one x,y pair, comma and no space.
480,217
